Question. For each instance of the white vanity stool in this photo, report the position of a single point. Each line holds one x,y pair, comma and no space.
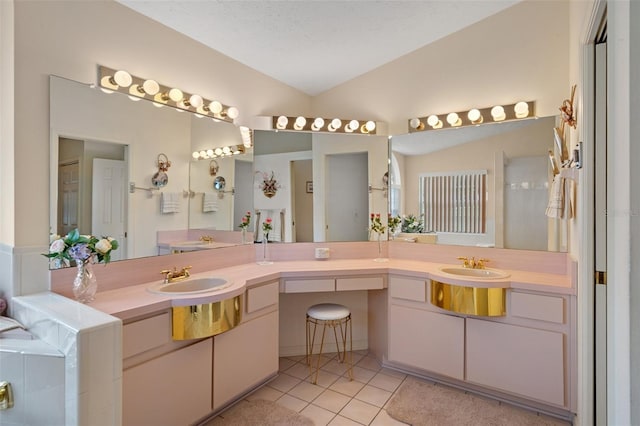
334,316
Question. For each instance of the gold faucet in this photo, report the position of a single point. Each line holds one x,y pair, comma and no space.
175,275
206,238
472,263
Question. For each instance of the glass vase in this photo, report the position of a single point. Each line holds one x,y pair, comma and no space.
380,258
265,253
244,235
85,283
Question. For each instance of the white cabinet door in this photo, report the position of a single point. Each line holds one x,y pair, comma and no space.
174,389
243,357
427,340
515,359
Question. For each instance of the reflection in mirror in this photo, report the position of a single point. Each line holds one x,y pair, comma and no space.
324,184
101,123
501,173
219,183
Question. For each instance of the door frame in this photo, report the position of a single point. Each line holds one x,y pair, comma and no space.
618,224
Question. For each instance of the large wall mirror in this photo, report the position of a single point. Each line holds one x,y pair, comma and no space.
509,164
327,184
105,150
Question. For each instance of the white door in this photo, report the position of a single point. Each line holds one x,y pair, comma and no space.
348,197
68,197
108,203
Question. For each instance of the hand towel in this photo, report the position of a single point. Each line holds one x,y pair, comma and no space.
169,202
209,202
556,206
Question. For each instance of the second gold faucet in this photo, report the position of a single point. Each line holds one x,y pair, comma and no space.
175,274
473,263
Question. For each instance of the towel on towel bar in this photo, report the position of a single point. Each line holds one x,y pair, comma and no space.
169,202
560,199
209,202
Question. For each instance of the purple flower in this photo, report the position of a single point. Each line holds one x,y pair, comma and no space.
80,252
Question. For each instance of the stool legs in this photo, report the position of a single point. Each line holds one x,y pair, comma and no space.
346,333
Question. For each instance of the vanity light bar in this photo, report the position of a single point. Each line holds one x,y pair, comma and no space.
319,124
137,88
473,117
219,152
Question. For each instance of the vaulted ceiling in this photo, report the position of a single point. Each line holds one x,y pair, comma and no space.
314,46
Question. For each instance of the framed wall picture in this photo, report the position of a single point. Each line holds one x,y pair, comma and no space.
309,187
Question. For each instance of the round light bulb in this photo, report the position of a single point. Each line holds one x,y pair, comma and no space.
353,125
474,116
415,123
215,107
521,109
195,155
209,152
150,87
195,101
203,154
122,78
232,112
218,151
335,124
370,125
434,121
318,124
226,150
282,122
300,123
175,95
497,112
453,119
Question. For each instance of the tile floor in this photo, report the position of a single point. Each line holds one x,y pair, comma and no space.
335,400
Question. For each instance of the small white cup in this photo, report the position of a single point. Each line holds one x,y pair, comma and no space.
322,253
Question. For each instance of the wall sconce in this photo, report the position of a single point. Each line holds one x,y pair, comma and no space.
474,117
319,124
247,136
139,88
224,151
160,178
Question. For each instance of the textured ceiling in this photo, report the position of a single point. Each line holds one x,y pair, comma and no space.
316,45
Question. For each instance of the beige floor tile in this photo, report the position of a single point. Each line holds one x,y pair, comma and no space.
373,395
335,367
299,370
265,392
360,411
370,363
306,391
362,375
319,415
296,358
384,419
284,382
325,379
385,382
346,386
285,363
292,402
332,400
343,421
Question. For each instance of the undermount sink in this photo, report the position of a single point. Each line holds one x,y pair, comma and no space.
191,286
486,273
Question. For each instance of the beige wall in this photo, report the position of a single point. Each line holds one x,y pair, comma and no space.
518,54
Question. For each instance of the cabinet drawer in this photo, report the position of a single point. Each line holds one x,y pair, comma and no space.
309,286
262,296
408,288
361,283
149,333
537,307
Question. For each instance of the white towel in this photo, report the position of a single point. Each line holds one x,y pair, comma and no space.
169,202
209,202
276,224
556,206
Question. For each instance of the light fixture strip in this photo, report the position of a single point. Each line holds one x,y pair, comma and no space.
219,152
486,117
106,81
363,127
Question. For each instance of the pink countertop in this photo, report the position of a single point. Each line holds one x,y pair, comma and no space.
136,300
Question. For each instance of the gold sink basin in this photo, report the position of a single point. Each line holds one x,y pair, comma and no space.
483,274
191,286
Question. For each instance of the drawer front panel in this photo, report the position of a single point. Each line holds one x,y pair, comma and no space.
408,288
149,333
538,307
309,286
262,296
361,283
